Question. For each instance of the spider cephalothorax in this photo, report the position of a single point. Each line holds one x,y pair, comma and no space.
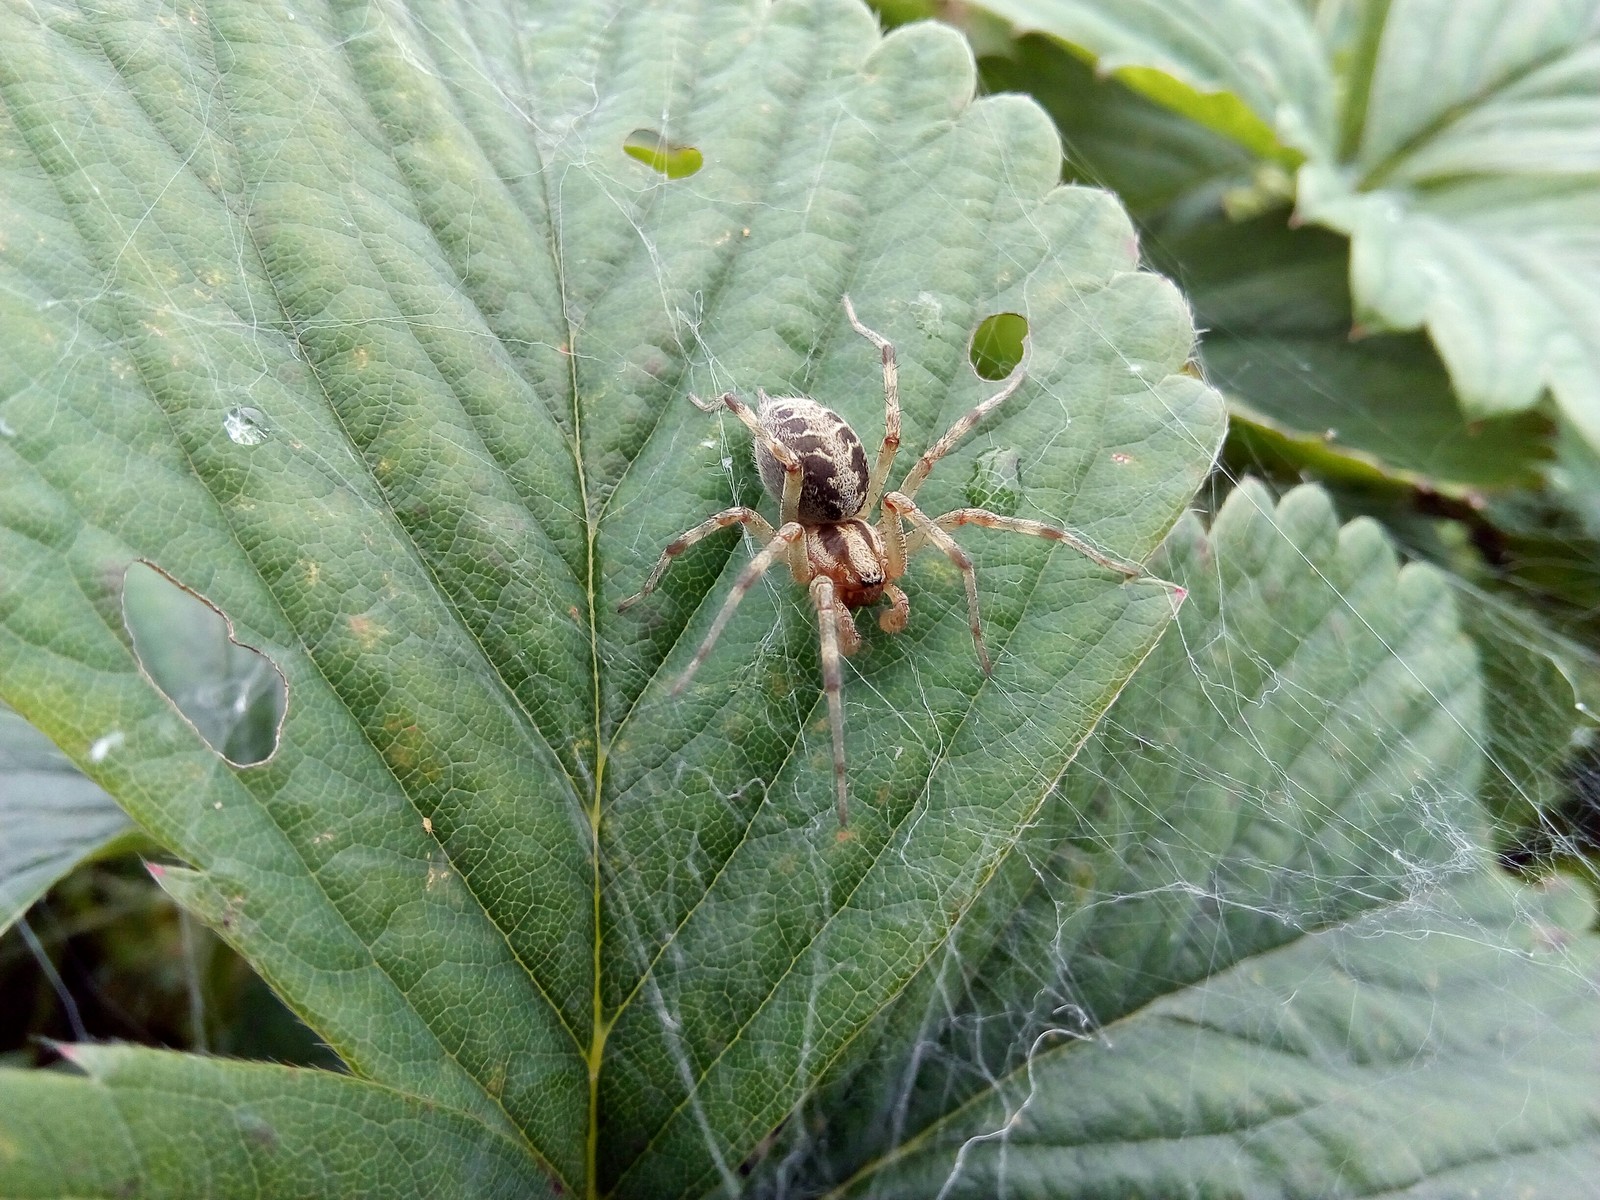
815,467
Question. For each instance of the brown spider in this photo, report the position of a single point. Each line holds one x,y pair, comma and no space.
814,465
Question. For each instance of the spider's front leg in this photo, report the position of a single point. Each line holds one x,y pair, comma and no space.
929,529
831,619
890,446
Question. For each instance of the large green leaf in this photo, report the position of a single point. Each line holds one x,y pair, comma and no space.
1535,713
363,323
1436,1049
1256,928
1307,388
1115,137
1458,144
1253,70
246,1130
1276,307
52,816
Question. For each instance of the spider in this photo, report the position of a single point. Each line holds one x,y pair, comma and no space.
813,464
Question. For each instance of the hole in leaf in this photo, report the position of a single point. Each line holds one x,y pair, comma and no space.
997,346
232,694
655,152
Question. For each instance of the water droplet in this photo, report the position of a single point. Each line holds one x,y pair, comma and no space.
246,426
6,431
104,745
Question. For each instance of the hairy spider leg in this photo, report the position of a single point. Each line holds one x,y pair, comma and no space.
793,474
780,544
903,506
891,408
933,530
955,433
889,526
725,518
989,520
828,621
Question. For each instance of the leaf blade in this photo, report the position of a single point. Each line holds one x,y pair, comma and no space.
253,1130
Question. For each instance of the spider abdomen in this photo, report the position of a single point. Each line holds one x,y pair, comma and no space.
833,462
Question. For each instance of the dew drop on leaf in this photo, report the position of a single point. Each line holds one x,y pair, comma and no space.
246,426
104,745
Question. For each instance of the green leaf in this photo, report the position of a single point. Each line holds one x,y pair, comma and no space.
363,324
56,818
53,817
1534,710
1456,145
247,1129
1256,919
1395,1053
1276,306
1115,137
1252,70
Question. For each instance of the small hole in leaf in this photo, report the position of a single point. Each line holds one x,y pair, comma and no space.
655,152
233,695
997,346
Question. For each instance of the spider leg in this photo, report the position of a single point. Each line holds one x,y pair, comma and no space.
832,685
793,473
956,432
728,516
775,549
989,520
903,506
891,408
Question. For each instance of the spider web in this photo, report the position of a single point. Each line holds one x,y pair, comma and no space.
1268,792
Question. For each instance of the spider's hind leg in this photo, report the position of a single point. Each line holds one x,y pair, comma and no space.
952,436
793,472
